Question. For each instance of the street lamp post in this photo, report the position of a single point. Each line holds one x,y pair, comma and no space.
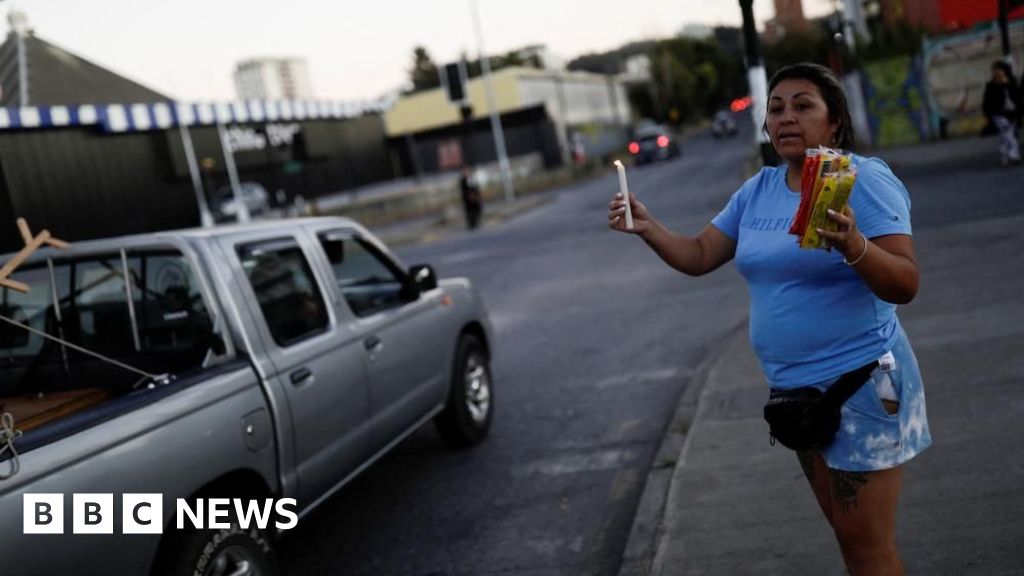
757,81
1004,30
19,24
499,135
205,217
243,215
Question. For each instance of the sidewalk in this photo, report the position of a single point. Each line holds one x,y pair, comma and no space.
436,226
733,504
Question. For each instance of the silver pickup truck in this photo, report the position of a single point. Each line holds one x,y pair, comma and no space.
256,363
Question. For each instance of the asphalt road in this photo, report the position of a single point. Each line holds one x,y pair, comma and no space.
595,341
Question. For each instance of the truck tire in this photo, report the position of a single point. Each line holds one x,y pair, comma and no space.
217,553
466,418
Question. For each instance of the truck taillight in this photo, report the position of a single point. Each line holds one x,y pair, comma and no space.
662,141
634,148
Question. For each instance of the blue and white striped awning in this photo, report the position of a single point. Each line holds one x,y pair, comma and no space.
160,116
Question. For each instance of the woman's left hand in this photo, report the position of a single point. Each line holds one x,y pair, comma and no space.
848,238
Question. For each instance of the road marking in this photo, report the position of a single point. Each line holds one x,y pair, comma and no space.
576,463
459,257
638,377
620,434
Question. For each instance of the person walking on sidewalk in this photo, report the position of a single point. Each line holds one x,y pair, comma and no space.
472,201
1002,107
816,315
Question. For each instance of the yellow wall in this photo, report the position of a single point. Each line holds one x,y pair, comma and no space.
431,109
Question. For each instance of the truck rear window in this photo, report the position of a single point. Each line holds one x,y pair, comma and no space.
164,327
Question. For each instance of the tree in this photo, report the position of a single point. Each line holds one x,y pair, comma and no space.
811,45
423,74
693,78
508,60
898,39
611,62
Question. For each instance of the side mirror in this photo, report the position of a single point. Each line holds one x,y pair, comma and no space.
422,278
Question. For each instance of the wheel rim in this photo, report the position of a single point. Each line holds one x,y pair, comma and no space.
234,561
478,389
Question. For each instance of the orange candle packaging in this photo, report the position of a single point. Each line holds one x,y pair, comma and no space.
827,181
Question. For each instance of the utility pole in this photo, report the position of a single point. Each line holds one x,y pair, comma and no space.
205,217
243,215
1004,29
499,135
757,81
19,24
854,23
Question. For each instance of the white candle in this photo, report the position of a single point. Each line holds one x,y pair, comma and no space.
624,188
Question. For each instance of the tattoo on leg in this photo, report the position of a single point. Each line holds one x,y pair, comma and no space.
844,487
806,458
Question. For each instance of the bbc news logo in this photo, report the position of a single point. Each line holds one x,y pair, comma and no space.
143,513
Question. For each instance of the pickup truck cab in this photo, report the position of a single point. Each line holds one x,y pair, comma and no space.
264,361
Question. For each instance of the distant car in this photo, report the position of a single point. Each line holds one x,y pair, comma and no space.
723,125
652,143
225,207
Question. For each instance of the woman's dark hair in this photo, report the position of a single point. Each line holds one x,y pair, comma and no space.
831,92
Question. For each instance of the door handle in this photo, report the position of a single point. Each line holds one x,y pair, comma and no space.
373,344
301,375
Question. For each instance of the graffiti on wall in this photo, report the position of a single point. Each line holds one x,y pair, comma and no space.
956,68
896,102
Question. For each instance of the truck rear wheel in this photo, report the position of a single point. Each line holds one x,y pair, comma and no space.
466,418
231,551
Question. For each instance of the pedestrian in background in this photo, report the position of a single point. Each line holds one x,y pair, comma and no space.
1002,107
817,315
472,200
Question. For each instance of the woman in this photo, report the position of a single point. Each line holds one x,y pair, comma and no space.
1001,105
818,314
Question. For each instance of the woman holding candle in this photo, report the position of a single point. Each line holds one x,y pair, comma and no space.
817,315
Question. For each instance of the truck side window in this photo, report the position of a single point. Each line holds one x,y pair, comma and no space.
84,301
367,280
286,290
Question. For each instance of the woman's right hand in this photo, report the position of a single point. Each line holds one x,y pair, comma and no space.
642,221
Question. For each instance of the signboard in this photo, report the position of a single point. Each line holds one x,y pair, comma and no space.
254,139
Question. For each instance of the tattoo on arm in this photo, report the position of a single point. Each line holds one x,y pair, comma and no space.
844,487
806,458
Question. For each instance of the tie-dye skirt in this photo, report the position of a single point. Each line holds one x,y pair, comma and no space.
869,438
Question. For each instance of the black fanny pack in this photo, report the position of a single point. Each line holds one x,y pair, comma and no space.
807,418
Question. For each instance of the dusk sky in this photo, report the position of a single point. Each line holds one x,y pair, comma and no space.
188,48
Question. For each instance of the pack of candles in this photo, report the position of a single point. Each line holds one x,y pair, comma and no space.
827,181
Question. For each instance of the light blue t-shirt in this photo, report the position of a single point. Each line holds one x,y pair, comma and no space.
812,317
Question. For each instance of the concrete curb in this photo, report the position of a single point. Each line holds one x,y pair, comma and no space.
638,559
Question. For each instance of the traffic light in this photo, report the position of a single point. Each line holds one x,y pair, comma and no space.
453,80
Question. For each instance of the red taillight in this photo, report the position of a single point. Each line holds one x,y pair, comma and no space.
634,148
662,141
740,104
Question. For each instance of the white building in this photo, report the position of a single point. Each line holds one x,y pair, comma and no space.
547,59
637,70
696,31
273,79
